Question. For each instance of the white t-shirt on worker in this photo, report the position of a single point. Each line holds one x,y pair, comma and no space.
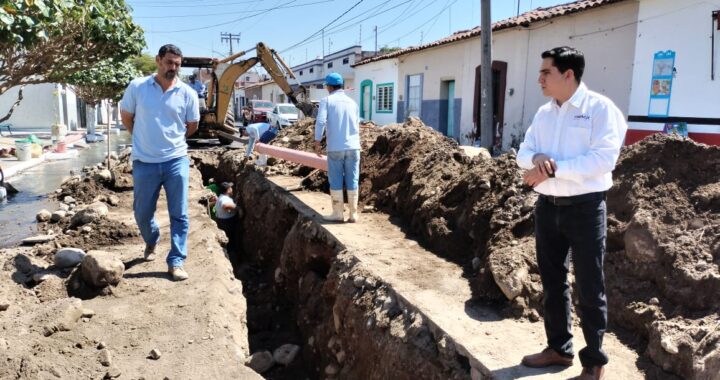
220,212
583,136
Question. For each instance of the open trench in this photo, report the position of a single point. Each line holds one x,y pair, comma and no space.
304,287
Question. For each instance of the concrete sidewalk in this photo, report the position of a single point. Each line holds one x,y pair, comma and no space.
11,166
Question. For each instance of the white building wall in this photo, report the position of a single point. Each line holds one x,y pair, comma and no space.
385,71
605,35
684,27
40,108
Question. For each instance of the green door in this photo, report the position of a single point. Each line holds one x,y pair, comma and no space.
451,109
366,99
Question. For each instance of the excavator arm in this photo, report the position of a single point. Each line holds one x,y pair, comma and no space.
275,67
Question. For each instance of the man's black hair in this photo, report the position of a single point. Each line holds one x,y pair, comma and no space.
224,187
334,88
169,48
566,58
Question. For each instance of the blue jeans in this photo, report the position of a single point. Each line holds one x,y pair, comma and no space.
344,164
250,146
174,176
581,229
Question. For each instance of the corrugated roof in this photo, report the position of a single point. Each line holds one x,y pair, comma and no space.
524,20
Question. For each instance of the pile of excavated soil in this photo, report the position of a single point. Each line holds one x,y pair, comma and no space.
664,252
301,136
663,238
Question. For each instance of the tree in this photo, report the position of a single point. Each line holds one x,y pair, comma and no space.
48,40
106,80
386,49
145,64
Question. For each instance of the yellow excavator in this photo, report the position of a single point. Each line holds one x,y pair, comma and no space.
218,114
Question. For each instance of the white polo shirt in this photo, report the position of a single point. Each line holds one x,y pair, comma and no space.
583,136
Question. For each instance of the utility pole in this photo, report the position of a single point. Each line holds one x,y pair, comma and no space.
229,37
486,85
376,49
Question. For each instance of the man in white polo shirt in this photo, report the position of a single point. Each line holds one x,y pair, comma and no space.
569,152
160,111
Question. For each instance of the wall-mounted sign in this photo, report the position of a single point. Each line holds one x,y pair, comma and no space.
661,83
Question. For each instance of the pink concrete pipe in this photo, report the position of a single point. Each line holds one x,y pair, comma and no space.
304,158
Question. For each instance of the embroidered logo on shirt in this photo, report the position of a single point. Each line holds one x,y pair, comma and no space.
583,117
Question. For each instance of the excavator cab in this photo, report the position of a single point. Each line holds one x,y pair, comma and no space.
222,73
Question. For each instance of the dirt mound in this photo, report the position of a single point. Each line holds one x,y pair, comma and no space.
664,233
473,211
664,251
301,136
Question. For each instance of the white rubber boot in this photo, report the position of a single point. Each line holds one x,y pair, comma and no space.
337,207
353,204
262,161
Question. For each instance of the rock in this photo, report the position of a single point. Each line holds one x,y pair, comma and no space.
64,207
331,370
58,216
41,276
68,199
654,301
155,354
103,176
86,229
286,353
70,213
68,257
38,239
511,283
89,214
4,306
260,361
105,358
340,356
101,345
88,313
60,315
669,345
43,215
640,243
476,263
112,373
100,269
113,200
113,155
358,281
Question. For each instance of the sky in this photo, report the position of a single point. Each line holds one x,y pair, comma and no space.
293,27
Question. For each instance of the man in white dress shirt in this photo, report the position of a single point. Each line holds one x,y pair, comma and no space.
569,152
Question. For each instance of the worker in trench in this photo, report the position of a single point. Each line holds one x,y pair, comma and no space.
338,118
569,152
226,213
160,112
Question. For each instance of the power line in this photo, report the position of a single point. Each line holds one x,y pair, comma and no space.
323,28
226,13
194,4
220,24
433,20
337,28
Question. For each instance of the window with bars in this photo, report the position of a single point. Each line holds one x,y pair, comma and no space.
384,98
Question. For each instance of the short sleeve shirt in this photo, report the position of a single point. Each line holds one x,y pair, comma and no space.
160,118
220,212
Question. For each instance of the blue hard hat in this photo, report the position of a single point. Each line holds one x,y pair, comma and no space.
334,79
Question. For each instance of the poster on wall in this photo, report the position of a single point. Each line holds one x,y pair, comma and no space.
661,83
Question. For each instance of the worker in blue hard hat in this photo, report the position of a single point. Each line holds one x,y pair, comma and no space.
339,119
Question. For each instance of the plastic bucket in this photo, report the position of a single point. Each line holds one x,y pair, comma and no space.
23,150
61,147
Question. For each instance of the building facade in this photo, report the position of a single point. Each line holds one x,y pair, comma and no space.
44,105
676,75
376,91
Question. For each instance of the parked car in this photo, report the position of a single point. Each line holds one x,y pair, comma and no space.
283,114
259,110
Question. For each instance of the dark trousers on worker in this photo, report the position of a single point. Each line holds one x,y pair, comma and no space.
574,226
